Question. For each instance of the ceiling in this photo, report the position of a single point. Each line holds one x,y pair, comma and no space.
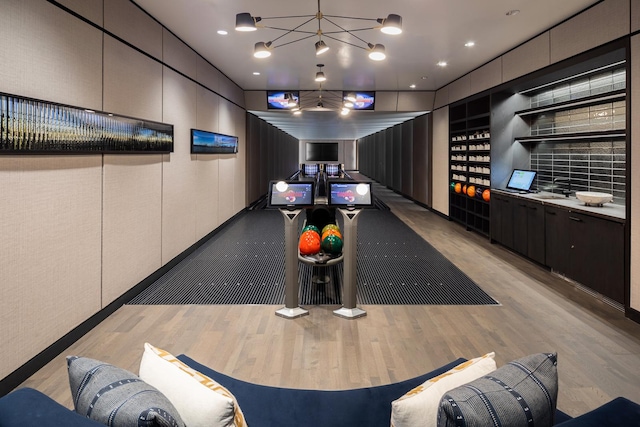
433,31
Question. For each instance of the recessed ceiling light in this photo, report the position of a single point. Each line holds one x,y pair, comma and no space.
412,86
424,77
442,64
470,44
513,12
222,32
256,73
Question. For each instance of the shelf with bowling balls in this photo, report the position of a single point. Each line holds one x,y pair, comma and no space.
471,190
320,246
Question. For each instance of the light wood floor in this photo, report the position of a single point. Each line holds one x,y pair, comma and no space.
598,349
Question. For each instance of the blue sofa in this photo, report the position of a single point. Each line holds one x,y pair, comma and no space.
281,407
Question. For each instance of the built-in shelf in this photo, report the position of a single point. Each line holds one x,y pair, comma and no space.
618,95
580,136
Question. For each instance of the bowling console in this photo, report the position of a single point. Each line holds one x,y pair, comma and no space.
321,243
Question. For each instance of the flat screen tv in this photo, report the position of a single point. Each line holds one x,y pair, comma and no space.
350,194
364,100
521,180
322,151
279,99
203,142
291,194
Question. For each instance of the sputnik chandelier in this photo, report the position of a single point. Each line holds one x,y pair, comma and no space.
392,24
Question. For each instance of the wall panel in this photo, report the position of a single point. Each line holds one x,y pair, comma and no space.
50,213
440,175
386,101
179,175
598,25
132,82
460,89
226,179
531,56
130,23
178,55
90,9
208,104
208,191
131,227
240,167
69,52
442,97
486,77
207,74
416,101
635,16
421,161
407,158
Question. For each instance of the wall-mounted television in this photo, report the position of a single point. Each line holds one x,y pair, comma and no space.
350,194
363,100
279,99
322,151
291,193
203,142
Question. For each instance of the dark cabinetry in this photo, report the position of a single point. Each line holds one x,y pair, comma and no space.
582,247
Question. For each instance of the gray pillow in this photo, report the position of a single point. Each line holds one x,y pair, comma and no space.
522,393
116,397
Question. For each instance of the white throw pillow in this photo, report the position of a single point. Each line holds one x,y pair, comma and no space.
200,401
419,407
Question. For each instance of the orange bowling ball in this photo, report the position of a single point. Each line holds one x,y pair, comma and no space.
471,191
309,243
486,195
458,187
331,232
464,189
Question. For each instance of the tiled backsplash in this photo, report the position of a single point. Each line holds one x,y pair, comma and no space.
590,166
601,117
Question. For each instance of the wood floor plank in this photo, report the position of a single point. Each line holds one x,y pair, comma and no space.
598,348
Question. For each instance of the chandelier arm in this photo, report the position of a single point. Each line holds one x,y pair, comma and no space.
285,17
294,30
294,41
347,31
351,44
288,30
350,17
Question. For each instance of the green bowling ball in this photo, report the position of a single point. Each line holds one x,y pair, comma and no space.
311,227
332,244
329,227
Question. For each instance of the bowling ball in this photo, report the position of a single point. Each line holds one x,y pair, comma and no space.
453,186
331,231
478,193
486,195
471,191
464,189
332,244
330,227
311,227
309,243
458,187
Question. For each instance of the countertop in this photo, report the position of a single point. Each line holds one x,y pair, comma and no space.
608,211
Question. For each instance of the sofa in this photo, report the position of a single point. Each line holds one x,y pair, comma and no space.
275,406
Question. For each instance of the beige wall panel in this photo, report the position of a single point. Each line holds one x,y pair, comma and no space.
459,89
230,90
635,177
442,97
132,82
50,213
386,101
90,9
207,75
178,55
486,77
180,173
531,56
440,178
69,52
131,227
240,169
635,16
598,25
129,22
208,189
207,110
255,100
226,178
416,101
226,118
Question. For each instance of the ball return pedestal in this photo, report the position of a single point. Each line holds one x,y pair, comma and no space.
291,309
349,309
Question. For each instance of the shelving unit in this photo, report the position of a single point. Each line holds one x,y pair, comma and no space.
470,163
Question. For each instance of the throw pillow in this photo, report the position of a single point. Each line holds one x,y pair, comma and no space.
116,397
200,400
521,393
419,407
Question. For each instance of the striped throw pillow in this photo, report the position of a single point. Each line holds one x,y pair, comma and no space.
522,393
200,400
116,397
